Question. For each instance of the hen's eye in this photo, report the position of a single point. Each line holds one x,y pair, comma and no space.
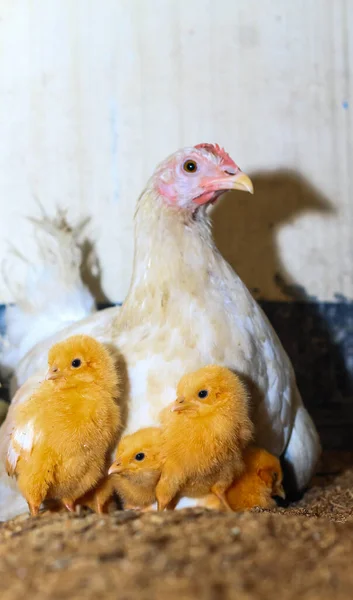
203,394
190,166
76,363
140,456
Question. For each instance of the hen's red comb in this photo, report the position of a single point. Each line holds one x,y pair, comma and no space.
216,149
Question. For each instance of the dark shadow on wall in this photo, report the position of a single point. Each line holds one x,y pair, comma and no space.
91,272
245,229
318,336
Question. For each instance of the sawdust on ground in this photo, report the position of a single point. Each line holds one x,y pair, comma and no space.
304,551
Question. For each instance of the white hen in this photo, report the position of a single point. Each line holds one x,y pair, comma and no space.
186,308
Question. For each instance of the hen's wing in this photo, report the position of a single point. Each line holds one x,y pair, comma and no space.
283,425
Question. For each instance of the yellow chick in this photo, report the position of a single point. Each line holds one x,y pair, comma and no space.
137,467
64,434
260,482
204,436
133,475
257,486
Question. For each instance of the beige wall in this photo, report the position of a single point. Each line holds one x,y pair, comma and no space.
94,92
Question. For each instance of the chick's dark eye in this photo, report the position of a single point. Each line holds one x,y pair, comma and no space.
76,363
140,456
190,166
203,394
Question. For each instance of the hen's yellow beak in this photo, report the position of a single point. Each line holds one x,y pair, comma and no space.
239,181
242,182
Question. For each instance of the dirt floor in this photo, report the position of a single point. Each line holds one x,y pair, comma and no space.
304,551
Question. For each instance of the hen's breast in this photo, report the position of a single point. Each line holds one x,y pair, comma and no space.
220,325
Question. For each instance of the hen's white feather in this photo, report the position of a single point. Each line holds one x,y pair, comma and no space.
11,500
53,295
304,444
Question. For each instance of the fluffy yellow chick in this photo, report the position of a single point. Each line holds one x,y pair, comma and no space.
204,436
257,486
137,467
260,482
133,475
64,434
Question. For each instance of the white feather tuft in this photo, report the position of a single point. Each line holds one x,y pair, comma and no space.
24,437
22,440
53,295
12,456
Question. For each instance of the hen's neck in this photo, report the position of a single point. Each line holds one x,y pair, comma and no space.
173,249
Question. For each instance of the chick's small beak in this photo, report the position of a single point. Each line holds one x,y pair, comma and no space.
279,491
116,467
178,405
52,373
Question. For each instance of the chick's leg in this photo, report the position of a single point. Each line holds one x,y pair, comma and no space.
101,509
33,508
34,488
212,502
98,498
172,504
103,495
69,504
167,490
149,508
219,489
164,499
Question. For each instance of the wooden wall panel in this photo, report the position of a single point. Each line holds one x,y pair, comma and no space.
94,93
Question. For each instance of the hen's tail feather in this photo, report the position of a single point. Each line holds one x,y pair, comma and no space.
53,295
303,450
